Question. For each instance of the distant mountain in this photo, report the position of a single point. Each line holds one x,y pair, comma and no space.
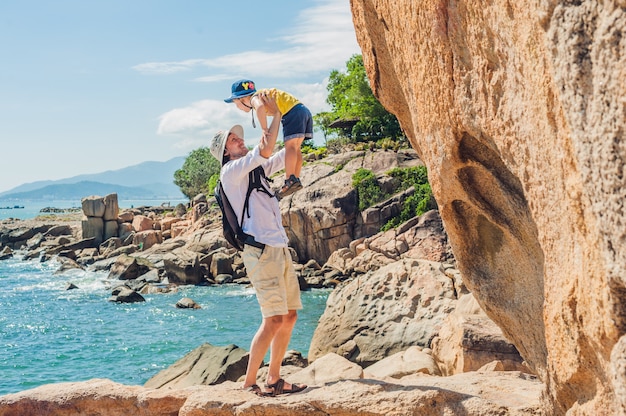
146,180
73,191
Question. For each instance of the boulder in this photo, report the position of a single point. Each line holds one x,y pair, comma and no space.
206,239
179,228
16,237
151,276
295,358
411,361
205,365
67,264
387,311
123,294
187,303
109,245
111,208
93,397
93,227
93,206
328,369
166,223
142,223
183,268
84,243
127,268
146,239
58,230
125,217
124,230
6,253
110,229
221,263
468,340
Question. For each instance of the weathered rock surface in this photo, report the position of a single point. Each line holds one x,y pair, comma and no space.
376,315
323,216
405,363
518,111
469,340
206,365
470,394
406,283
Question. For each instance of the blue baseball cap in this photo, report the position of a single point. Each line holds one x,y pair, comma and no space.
241,88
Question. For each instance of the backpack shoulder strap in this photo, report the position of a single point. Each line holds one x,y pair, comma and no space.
255,182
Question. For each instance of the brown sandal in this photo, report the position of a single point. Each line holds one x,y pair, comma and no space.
292,184
279,387
257,390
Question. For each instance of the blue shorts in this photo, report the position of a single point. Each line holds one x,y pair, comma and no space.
298,122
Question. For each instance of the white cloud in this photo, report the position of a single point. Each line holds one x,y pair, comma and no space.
217,78
324,39
312,95
195,124
168,67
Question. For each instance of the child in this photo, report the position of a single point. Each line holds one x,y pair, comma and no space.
297,125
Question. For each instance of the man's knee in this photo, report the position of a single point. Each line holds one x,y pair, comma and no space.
291,317
279,320
274,321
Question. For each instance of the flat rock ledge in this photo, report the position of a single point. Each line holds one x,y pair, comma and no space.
468,394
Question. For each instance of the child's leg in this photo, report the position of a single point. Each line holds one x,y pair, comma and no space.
293,157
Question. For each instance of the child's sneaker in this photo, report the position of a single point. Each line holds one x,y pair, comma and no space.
292,184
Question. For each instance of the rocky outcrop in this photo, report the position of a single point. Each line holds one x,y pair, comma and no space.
394,290
470,394
385,312
100,219
205,365
468,340
517,110
323,217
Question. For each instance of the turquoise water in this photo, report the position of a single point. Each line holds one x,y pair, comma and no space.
31,208
50,335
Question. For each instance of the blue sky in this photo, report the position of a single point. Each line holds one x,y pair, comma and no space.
90,86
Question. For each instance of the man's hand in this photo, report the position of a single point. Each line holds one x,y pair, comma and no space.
269,103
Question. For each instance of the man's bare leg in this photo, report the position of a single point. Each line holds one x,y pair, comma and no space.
259,346
279,347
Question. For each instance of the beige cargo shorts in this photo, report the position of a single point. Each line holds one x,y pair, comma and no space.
274,279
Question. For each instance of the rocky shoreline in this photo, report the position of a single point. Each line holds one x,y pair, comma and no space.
399,327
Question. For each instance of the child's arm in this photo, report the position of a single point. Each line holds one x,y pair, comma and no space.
261,111
268,140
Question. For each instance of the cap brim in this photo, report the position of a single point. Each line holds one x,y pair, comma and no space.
234,97
238,130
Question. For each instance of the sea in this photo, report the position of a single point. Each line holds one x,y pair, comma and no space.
49,334
25,209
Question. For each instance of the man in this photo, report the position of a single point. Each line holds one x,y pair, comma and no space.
266,256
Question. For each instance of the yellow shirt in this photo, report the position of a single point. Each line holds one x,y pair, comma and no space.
284,100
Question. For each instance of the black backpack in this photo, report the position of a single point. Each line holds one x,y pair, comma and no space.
230,226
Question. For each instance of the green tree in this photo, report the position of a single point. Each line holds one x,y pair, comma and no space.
194,176
351,99
422,199
367,187
369,192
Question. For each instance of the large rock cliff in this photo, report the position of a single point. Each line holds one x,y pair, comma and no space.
518,110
